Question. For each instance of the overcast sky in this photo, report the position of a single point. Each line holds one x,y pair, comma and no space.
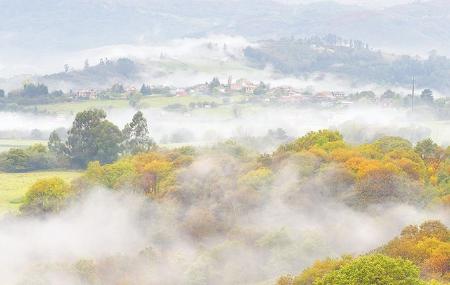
365,3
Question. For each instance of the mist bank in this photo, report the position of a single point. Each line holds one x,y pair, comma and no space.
141,242
358,124
209,213
198,215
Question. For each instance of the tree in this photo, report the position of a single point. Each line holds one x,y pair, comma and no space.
146,89
257,179
136,135
34,90
108,139
319,139
15,160
427,96
319,269
93,138
428,149
55,144
374,270
2,93
214,83
112,175
426,245
134,99
45,196
118,88
261,89
389,94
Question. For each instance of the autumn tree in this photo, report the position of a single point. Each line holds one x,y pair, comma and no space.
46,196
322,139
427,245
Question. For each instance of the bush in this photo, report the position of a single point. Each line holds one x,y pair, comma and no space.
46,196
36,157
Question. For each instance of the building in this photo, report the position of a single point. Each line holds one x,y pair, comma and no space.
181,93
247,86
89,94
242,85
131,90
338,94
324,96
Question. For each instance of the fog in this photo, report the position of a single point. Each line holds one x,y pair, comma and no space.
358,124
127,238
190,216
37,44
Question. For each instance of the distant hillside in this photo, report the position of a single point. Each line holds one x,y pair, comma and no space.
101,75
352,60
41,25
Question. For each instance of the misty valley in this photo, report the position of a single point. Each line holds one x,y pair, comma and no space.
272,142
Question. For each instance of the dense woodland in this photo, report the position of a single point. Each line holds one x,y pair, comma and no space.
212,191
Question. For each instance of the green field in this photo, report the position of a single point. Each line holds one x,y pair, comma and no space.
6,144
146,102
74,107
13,186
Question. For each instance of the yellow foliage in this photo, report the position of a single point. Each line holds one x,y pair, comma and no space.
257,178
147,160
319,269
344,154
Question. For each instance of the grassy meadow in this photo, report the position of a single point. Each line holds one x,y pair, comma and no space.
146,102
13,186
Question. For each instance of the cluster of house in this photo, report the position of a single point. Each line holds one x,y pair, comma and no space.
239,86
92,94
281,94
89,94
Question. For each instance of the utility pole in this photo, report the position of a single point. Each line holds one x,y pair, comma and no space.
412,94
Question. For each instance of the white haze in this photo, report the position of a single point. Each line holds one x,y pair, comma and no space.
107,224
358,124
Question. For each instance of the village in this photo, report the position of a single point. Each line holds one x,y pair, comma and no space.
252,92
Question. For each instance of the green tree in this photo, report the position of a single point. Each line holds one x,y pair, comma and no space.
45,196
34,90
107,141
136,135
313,139
374,270
261,89
118,88
93,138
215,83
15,160
146,89
55,144
428,149
319,269
427,96
134,99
